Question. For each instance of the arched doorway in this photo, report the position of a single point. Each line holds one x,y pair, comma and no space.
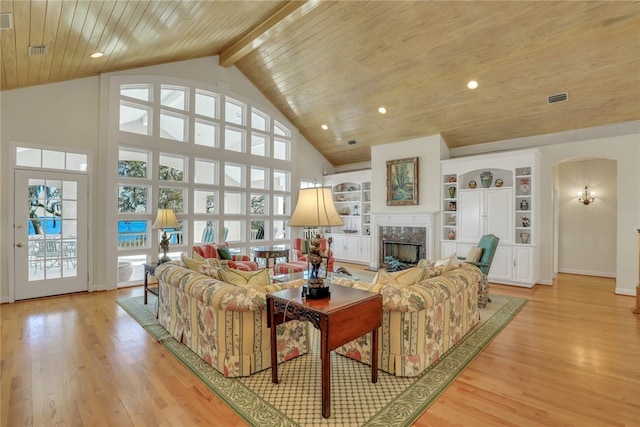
585,236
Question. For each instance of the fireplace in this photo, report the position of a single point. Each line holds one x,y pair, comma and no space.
407,238
407,253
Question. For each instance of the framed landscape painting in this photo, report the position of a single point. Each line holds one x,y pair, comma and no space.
402,182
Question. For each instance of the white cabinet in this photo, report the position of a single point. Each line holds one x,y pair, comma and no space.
352,198
523,262
494,194
356,249
488,211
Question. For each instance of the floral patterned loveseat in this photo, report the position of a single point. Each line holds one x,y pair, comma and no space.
422,317
225,324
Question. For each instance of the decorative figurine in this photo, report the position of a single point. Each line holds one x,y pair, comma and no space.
315,256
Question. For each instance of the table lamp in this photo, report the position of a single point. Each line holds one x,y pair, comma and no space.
166,218
315,208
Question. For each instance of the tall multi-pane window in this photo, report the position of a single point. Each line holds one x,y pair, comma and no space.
218,161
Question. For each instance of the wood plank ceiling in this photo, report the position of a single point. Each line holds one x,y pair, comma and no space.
336,62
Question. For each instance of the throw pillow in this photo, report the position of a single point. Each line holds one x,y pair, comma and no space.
446,264
211,271
425,263
224,252
214,262
408,277
428,269
245,278
474,254
193,263
382,277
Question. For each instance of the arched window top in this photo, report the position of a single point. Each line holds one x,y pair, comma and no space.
202,117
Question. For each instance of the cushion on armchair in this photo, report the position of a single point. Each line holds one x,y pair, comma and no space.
474,254
224,252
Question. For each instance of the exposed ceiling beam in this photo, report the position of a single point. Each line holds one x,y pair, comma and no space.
276,22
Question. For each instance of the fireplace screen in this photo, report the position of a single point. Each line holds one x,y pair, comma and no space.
406,253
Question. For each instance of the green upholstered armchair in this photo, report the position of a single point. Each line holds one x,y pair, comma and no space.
488,245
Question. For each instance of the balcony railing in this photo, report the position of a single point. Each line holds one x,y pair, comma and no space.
139,239
132,240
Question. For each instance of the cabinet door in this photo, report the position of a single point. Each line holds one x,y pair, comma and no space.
523,264
470,209
501,266
499,213
352,248
365,249
338,246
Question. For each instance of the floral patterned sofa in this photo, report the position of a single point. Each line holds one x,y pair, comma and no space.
225,323
426,310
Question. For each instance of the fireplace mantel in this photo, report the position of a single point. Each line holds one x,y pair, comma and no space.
386,219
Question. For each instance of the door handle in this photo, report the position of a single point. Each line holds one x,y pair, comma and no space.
19,245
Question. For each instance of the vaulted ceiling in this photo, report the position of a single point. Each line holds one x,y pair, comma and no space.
335,63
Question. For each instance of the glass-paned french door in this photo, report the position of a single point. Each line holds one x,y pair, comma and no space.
50,233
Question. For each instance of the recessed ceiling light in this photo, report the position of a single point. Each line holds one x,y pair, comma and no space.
325,127
382,110
472,84
97,55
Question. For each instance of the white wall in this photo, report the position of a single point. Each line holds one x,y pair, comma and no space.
625,150
428,150
73,115
60,115
587,234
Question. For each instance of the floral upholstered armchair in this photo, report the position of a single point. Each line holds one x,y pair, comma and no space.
220,251
300,251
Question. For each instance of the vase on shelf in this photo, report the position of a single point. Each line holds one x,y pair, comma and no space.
524,205
525,186
452,192
486,178
524,238
451,235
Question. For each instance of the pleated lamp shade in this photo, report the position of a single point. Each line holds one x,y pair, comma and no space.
315,208
166,218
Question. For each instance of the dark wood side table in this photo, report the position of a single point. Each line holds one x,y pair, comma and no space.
149,269
342,317
269,252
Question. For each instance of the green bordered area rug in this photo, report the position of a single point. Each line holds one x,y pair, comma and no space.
355,401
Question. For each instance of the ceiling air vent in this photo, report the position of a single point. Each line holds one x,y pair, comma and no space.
5,21
351,141
38,50
558,97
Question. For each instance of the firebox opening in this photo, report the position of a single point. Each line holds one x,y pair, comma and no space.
407,254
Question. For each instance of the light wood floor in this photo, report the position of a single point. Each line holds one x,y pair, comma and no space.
571,357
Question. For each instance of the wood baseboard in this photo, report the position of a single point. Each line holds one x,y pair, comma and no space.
637,309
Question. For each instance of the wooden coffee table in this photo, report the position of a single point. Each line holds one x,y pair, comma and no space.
342,317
